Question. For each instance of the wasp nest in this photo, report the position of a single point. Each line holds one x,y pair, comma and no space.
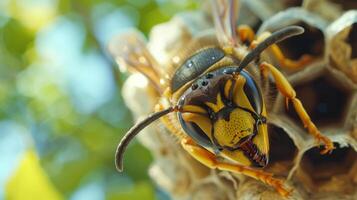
326,87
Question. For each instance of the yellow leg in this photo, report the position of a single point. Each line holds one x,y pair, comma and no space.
283,61
286,89
260,39
245,33
209,159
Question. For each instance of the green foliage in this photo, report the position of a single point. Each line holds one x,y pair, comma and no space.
16,37
48,86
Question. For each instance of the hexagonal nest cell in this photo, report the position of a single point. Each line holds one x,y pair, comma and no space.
324,169
282,151
292,3
324,100
346,4
352,39
342,45
311,42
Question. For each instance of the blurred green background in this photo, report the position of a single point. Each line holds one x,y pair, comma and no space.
61,113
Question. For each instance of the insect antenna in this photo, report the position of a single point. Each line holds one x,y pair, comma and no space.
134,131
275,37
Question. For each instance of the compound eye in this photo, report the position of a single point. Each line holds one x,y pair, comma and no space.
253,93
197,127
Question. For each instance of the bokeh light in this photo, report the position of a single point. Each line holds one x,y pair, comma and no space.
61,110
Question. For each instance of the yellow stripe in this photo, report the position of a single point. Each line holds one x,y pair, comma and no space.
227,88
218,105
193,109
240,98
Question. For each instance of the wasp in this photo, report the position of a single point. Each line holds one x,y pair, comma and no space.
213,102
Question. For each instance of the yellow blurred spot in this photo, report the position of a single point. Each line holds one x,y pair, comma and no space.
34,16
29,181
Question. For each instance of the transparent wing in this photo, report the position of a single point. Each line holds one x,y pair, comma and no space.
225,14
131,54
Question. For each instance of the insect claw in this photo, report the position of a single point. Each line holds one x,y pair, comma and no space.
289,192
324,151
253,44
282,190
328,145
264,71
287,105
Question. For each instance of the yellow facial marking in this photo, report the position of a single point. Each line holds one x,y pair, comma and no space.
261,139
239,96
264,112
203,122
218,105
227,88
239,125
194,109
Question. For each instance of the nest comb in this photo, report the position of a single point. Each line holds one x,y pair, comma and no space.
327,87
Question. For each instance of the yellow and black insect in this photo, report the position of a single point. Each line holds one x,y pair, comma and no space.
214,97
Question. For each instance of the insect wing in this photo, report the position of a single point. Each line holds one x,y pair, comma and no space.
131,54
225,14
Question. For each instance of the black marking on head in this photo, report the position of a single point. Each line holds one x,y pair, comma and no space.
195,66
250,88
205,89
225,113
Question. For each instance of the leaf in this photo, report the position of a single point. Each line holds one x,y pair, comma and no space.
17,37
30,181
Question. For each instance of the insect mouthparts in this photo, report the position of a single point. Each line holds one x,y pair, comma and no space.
251,151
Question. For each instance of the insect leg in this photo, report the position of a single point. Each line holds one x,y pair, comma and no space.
277,52
210,160
286,89
245,33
